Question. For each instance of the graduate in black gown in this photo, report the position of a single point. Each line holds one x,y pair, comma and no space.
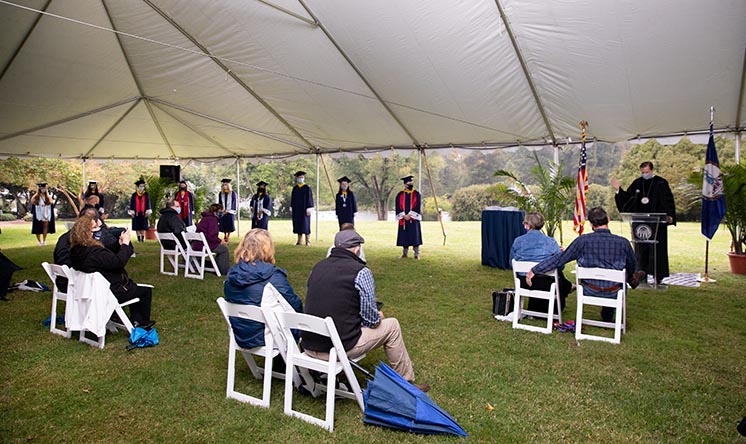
649,194
229,200
93,190
346,202
301,203
261,206
140,210
408,213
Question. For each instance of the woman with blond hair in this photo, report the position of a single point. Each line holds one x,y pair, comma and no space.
255,267
89,256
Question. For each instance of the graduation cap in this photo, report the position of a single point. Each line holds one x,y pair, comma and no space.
140,182
41,184
225,181
300,173
344,179
407,179
261,183
92,182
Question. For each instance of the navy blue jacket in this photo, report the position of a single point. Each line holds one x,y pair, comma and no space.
245,285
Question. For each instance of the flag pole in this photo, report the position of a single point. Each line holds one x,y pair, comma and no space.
706,277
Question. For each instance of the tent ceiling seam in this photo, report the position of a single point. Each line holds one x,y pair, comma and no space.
68,119
289,12
136,79
196,131
119,120
360,74
229,72
526,72
231,124
25,38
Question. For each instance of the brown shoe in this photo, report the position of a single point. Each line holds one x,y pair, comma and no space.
423,387
636,278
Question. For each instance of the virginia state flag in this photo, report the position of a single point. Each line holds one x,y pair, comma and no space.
713,200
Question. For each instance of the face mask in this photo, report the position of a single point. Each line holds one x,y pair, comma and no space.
410,186
97,234
647,175
42,190
178,210
344,186
141,189
220,214
261,190
301,179
182,188
225,187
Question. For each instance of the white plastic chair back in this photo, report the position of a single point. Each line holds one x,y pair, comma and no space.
54,271
337,363
196,259
552,297
172,254
619,303
268,351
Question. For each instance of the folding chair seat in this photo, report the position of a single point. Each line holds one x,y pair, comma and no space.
90,306
336,364
619,303
552,297
54,271
195,259
172,254
268,351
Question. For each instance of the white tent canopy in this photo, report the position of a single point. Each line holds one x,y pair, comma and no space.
168,79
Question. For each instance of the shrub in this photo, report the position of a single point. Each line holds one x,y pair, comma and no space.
468,203
428,207
5,217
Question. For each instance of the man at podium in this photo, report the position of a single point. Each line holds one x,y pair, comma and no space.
649,194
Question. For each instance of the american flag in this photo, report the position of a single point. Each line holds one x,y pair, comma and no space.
578,220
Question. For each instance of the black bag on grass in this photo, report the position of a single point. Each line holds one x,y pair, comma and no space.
502,302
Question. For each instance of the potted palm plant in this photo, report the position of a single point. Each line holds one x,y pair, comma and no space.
159,188
734,188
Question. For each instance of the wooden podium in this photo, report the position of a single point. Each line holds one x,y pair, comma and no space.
644,228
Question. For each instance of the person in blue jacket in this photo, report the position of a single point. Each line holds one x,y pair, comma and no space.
244,284
346,203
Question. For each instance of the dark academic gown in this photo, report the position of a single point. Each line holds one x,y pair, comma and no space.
100,203
186,202
259,203
7,268
229,201
410,234
36,227
661,200
300,200
140,220
346,207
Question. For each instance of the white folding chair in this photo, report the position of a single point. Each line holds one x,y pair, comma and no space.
54,271
195,259
172,254
337,363
77,310
552,297
268,351
619,303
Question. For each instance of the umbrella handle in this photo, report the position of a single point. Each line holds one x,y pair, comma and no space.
359,368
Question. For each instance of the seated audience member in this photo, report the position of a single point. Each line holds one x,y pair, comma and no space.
598,249
255,268
7,268
346,226
210,225
341,286
171,222
100,233
535,246
89,256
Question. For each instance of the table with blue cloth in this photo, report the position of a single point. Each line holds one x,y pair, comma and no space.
499,229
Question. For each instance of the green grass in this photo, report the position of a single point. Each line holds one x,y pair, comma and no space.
678,376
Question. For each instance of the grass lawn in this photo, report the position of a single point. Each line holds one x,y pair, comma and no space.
679,374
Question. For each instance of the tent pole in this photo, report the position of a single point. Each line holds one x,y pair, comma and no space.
419,169
435,197
331,187
238,197
318,195
738,147
85,172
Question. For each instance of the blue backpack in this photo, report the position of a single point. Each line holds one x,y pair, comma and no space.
141,338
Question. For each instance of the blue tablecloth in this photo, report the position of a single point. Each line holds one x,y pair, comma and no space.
499,229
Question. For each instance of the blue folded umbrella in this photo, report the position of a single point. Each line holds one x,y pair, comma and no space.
391,401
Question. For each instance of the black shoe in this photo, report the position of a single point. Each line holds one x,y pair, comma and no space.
636,278
147,325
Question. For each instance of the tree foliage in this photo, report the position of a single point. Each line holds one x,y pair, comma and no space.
468,202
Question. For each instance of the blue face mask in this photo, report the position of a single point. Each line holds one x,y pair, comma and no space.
301,179
178,210
220,214
647,175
